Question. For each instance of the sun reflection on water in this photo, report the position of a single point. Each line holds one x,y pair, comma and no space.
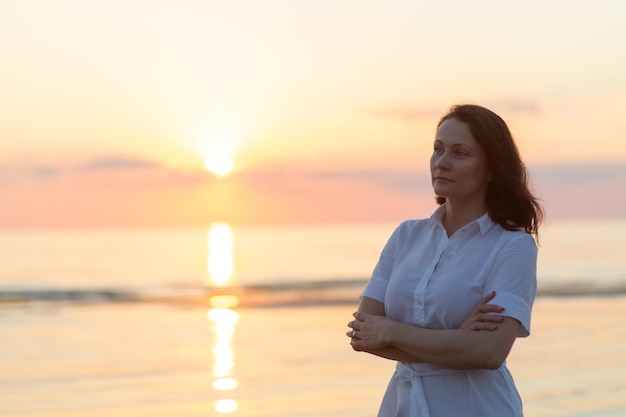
220,260
226,406
221,315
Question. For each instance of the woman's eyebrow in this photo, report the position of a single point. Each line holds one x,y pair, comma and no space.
437,141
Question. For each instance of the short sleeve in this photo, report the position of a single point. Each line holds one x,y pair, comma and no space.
514,278
377,284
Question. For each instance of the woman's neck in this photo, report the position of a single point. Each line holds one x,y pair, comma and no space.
458,215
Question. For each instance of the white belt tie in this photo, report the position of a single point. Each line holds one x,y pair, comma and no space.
411,400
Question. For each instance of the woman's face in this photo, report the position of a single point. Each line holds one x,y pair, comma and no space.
458,165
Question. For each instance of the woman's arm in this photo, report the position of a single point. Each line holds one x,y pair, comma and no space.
376,308
450,348
479,319
513,274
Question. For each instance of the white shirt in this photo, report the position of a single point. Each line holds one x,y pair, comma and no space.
428,280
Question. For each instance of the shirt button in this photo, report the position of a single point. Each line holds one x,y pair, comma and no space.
448,256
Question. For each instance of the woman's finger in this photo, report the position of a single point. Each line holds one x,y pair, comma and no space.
489,308
359,315
488,297
489,318
352,334
482,326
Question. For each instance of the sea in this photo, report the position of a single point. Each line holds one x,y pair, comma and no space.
248,321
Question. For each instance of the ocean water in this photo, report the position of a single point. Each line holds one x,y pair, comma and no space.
574,258
250,321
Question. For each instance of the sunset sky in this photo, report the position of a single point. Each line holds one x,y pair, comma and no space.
328,108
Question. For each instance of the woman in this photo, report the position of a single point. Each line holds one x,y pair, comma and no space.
430,287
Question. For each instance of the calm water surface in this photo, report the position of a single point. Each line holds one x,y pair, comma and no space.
69,348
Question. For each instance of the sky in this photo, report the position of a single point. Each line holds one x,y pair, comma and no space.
328,108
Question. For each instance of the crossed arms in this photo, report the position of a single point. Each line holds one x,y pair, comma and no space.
482,342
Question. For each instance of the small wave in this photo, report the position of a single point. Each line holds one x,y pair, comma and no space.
581,290
258,295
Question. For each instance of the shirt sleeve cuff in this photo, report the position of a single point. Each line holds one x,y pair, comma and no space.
516,308
375,289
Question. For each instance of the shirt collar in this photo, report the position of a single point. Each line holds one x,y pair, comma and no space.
484,222
437,216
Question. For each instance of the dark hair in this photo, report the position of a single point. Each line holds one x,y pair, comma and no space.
509,201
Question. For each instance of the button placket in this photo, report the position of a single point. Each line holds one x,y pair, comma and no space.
421,288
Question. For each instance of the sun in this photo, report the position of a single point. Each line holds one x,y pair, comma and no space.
219,163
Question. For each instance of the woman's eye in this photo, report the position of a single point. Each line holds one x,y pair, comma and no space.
460,153
438,150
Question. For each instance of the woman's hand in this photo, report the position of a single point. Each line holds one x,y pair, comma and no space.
480,319
368,331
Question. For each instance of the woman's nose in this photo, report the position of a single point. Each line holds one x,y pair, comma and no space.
442,160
